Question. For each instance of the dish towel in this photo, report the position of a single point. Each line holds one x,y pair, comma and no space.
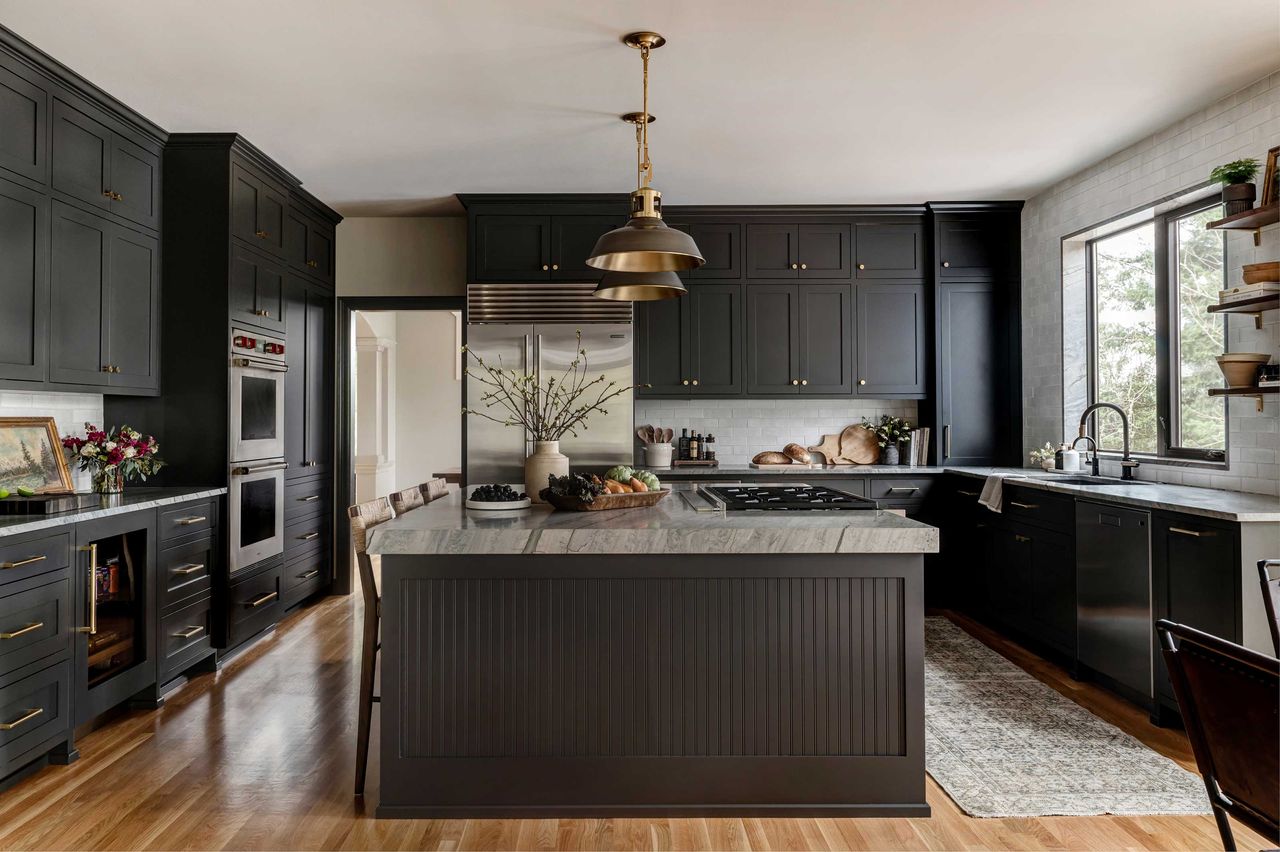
993,490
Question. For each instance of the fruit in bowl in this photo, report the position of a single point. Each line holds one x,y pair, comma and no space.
497,494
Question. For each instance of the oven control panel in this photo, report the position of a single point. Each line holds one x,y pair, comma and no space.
246,343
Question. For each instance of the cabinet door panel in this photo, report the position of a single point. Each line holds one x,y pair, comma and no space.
721,247
889,250
662,357
135,178
772,251
295,240
826,338
273,205
772,325
971,249
715,338
78,282
513,248
24,282
24,125
245,190
81,155
320,250
1053,589
572,239
319,380
970,364
295,381
133,310
824,251
256,291
891,329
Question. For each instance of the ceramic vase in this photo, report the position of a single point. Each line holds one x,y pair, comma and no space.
545,461
889,454
108,481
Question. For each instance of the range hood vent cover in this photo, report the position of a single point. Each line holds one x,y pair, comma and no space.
542,303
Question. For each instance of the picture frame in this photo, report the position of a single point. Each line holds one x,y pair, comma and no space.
1271,179
31,456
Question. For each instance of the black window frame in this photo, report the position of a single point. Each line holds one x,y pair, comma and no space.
1164,227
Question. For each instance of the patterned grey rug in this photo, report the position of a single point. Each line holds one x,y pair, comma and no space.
1003,744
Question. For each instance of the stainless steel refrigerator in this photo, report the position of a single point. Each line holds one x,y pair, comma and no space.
496,453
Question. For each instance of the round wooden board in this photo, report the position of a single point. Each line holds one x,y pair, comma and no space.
829,446
858,445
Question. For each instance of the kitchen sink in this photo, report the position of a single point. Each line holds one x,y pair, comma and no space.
1092,480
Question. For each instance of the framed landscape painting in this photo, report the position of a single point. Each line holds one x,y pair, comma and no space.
31,456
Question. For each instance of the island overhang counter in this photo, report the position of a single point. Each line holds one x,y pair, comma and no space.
660,660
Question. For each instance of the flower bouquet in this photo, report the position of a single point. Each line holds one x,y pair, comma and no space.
114,457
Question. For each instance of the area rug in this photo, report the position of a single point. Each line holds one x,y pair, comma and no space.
1003,744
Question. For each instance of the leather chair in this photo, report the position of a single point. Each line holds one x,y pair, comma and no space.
1269,574
1229,697
364,517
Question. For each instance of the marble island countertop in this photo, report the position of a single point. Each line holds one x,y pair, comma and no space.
673,526
132,500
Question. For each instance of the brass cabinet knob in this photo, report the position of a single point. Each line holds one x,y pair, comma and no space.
106,368
262,313
804,381
862,266
695,382
555,266
862,381
262,235
804,266
117,196
795,266
685,382
106,193
946,264
313,263
545,267
795,381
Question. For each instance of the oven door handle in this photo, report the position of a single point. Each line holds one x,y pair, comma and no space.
245,471
259,364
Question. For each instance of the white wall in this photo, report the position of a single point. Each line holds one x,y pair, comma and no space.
428,396
69,411
390,256
1176,159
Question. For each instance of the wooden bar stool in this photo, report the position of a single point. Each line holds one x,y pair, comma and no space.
364,517
407,500
434,489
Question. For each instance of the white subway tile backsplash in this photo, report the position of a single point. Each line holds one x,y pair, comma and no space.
69,410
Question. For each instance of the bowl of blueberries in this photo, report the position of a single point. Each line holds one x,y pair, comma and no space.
497,498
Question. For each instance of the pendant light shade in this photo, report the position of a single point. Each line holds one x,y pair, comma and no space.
645,244
640,286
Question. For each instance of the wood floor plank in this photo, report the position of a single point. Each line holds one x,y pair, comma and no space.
260,755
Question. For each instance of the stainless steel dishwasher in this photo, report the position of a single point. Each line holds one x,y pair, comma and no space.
1113,593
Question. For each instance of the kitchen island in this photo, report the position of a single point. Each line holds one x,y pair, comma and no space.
662,660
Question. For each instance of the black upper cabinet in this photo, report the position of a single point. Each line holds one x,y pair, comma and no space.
891,339
135,183
295,380
295,240
512,248
715,339
798,251
773,325
721,247
78,283
24,124
97,166
133,317
661,347
309,245
969,360
889,250
572,239
258,210
825,340
257,291
308,386
978,248
824,251
24,282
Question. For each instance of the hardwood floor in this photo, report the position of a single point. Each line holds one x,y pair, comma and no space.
260,756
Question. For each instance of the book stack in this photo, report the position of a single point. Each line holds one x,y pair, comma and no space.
917,451
1249,291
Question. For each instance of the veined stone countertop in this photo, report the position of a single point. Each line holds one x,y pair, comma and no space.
447,527
132,500
797,470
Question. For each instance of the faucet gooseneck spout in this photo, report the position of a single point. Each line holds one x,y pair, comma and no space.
1127,464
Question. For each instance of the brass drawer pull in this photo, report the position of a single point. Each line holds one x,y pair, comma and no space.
895,489
194,519
310,498
968,493
307,576
30,560
1192,533
15,634
189,568
189,633
267,598
1024,505
92,629
311,536
30,714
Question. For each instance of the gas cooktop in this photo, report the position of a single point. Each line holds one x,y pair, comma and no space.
783,498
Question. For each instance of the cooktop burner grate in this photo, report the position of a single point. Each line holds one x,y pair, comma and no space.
783,498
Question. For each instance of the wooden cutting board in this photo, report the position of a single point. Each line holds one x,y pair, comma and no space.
829,446
858,445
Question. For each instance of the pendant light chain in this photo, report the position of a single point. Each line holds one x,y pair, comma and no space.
646,165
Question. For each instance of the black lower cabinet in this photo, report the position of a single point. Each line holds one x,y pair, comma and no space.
190,560
35,710
252,604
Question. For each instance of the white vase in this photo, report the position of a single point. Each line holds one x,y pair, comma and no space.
545,461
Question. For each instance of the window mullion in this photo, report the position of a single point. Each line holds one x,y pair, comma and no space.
1166,348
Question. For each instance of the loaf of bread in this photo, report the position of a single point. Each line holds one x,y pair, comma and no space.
797,453
771,457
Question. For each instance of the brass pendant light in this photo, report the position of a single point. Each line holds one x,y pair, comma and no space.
645,244
640,286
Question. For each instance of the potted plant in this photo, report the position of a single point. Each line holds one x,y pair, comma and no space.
1045,456
889,432
547,408
114,457
1238,190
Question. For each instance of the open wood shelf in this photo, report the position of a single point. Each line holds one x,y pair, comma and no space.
1249,220
1255,392
1257,304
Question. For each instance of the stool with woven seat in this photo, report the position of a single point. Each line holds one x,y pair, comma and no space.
364,517
417,496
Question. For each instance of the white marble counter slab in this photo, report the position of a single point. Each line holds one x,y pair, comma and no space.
673,526
799,471
132,500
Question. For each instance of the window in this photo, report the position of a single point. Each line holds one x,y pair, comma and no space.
1153,343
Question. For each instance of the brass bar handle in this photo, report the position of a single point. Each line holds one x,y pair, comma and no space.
1017,537
192,519
311,536
896,489
189,633
1024,505
267,598
307,576
30,560
310,498
189,568
93,591
968,493
16,633
1192,533
21,720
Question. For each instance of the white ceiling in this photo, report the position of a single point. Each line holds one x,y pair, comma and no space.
387,107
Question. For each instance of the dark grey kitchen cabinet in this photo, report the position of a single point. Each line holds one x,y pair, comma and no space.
24,123
972,369
974,248
24,282
308,245
135,183
256,290
889,250
1053,589
512,248
798,251
662,347
98,166
1006,577
825,340
79,289
308,386
891,340
572,239
771,339
721,247
132,310
258,209
295,380
691,346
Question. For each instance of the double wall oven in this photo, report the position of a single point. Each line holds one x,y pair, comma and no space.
256,497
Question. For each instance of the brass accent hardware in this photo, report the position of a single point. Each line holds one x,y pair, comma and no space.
310,498
189,568
1022,538
684,382
16,633
804,381
310,464
262,235
106,193
30,714
545,267
968,493
307,576
261,313
191,519
862,381
267,598
900,488
1192,533
795,266
117,196
189,633
795,381
862,266
555,266
1024,505
946,265
311,536
106,368
314,264
93,591
694,383
804,266
30,560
